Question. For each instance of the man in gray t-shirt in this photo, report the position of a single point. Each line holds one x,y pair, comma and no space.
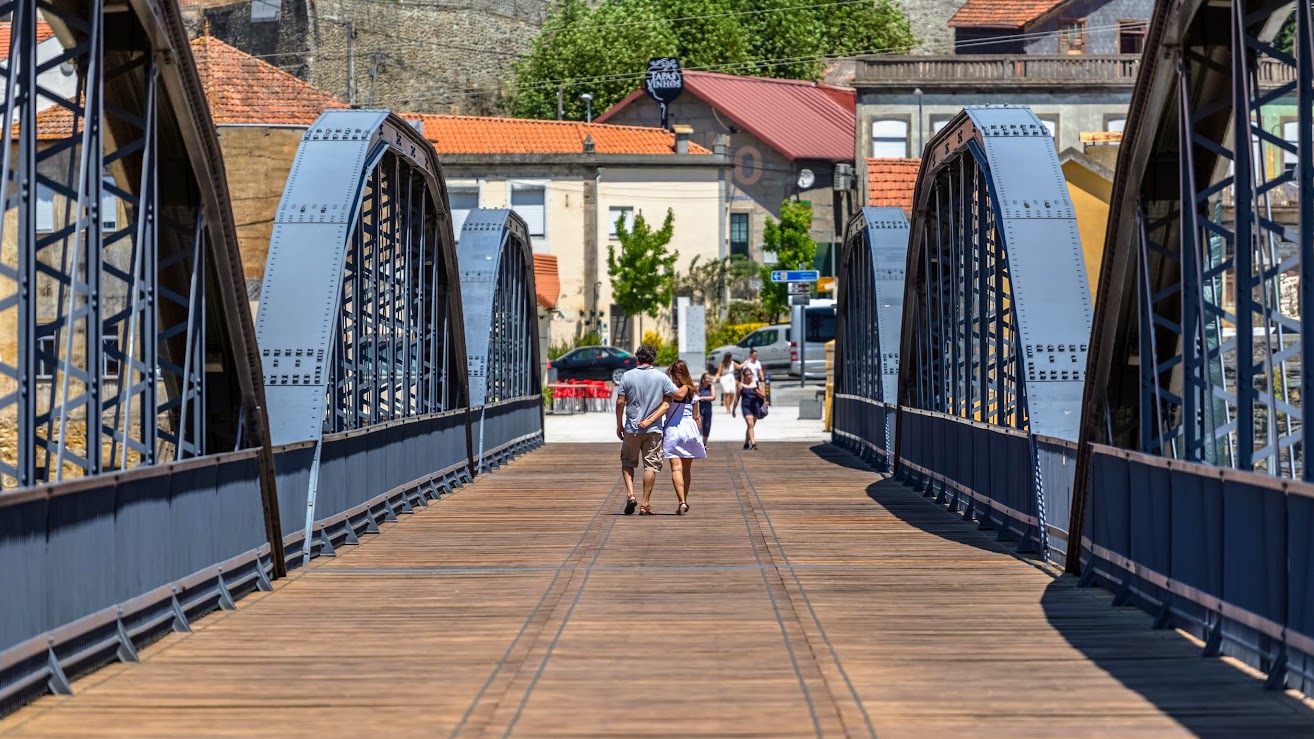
642,397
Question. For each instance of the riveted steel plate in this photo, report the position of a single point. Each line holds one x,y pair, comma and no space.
485,236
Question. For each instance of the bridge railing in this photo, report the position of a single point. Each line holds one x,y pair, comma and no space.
981,470
368,476
867,427
90,568
504,429
1056,462
1228,554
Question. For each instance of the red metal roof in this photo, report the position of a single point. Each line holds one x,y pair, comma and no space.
1001,13
801,120
891,182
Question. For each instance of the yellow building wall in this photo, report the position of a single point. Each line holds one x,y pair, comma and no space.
1090,194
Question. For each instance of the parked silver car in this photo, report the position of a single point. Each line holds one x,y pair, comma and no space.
771,343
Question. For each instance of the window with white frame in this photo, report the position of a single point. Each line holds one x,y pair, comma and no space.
463,200
1115,125
45,209
1051,125
615,213
938,125
889,138
529,201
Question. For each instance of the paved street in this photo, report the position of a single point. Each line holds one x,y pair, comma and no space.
782,424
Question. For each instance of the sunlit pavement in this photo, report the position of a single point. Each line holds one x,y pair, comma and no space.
781,424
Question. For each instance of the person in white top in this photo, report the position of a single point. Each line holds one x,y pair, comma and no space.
752,365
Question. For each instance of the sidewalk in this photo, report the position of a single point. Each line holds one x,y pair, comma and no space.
782,424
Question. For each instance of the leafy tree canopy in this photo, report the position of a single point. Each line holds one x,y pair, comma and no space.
790,239
604,49
643,273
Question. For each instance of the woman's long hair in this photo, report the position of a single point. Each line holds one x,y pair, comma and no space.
679,374
726,361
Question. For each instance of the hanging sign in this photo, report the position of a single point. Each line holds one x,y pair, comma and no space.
664,82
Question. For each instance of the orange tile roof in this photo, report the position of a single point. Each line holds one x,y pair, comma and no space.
1001,13
239,87
547,283
243,89
43,30
456,134
890,182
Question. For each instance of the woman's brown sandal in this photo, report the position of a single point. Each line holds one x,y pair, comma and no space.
646,511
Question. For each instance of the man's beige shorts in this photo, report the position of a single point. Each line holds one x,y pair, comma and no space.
647,446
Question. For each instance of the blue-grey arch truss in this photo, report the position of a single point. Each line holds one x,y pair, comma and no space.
870,315
360,310
501,329
500,306
996,314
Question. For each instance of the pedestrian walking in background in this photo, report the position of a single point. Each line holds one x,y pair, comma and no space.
642,397
727,376
683,442
753,405
706,396
752,364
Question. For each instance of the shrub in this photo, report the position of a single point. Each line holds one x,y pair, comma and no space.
720,334
743,311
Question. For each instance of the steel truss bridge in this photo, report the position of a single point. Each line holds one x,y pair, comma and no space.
243,513
1139,439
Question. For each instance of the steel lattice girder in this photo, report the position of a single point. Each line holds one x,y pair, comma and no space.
871,303
360,310
500,306
997,307
137,295
1164,365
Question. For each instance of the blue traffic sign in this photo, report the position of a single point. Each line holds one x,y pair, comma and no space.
795,275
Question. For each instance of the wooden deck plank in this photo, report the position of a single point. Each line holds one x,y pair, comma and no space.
804,595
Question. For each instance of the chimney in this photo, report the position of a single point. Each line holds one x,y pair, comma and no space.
682,138
722,146
590,146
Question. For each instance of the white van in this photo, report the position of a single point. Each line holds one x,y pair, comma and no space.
819,316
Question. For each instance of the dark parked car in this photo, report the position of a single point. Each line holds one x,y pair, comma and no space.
593,363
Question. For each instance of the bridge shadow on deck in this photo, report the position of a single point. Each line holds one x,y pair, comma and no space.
1205,696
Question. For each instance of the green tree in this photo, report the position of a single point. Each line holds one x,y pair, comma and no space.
706,34
604,49
871,27
784,40
1286,35
643,274
707,282
790,239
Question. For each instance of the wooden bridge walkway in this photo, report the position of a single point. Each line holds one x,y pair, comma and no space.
805,595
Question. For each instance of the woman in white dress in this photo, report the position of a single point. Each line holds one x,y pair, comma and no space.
725,374
683,442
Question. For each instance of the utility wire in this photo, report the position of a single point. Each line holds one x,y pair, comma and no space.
730,66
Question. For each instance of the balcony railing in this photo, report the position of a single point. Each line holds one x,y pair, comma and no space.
1007,69
1038,70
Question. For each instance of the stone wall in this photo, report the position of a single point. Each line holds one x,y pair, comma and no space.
930,24
445,56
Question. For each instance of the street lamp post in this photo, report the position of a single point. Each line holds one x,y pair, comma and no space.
588,107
